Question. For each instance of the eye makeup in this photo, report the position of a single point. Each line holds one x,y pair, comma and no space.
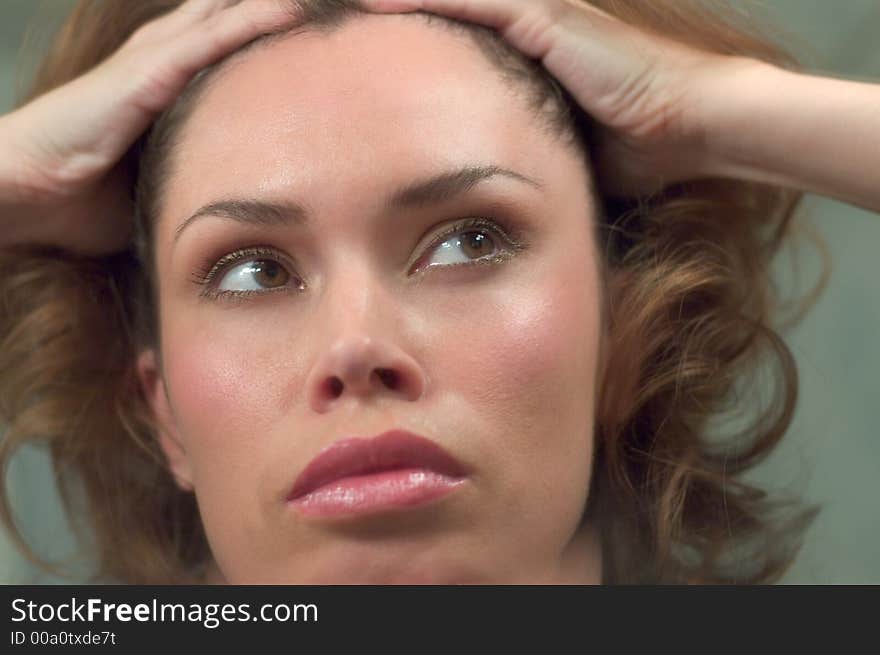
508,240
208,277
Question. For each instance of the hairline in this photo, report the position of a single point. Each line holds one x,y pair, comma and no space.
558,122
202,82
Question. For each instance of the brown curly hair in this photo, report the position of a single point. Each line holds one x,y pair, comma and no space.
690,313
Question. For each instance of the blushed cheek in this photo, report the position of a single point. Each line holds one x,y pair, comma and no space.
219,395
531,359
530,373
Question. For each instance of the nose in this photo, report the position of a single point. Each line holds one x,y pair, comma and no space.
365,359
360,366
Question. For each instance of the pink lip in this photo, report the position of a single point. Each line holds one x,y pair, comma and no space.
363,475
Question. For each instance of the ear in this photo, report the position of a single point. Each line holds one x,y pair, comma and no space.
153,385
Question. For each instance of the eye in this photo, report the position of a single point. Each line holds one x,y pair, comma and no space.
246,272
469,245
266,272
261,270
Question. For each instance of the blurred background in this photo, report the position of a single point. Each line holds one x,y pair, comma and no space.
831,456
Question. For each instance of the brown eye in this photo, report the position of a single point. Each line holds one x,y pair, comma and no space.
477,244
270,274
464,245
265,273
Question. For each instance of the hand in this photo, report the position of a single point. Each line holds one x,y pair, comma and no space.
651,93
60,178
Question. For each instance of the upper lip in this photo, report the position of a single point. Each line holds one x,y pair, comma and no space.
394,449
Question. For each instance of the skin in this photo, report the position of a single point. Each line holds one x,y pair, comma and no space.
497,364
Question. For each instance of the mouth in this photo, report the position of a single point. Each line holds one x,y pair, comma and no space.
358,476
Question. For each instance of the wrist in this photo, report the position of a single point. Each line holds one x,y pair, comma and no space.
807,132
741,112
20,187
10,193
20,220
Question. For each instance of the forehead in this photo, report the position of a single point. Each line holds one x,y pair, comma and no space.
381,96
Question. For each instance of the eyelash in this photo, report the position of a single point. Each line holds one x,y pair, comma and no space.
205,276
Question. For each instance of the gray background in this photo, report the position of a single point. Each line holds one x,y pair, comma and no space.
832,453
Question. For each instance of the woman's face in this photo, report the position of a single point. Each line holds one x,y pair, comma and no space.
494,362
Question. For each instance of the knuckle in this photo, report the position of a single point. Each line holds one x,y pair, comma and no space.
148,32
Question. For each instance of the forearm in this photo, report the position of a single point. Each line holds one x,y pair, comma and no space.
13,227
25,215
816,134
8,167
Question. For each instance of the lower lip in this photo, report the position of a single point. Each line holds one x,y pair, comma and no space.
365,494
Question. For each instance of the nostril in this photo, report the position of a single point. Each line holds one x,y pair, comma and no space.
387,376
335,385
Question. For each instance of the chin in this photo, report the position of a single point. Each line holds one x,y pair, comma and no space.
372,573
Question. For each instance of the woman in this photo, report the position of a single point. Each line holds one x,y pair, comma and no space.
623,288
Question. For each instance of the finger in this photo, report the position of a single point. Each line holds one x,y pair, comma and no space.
499,14
161,73
525,24
172,23
204,7
228,30
197,10
128,91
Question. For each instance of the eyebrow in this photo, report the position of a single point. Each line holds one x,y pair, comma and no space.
433,190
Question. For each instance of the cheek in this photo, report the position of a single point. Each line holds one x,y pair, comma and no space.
223,395
537,356
528,367
219,387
